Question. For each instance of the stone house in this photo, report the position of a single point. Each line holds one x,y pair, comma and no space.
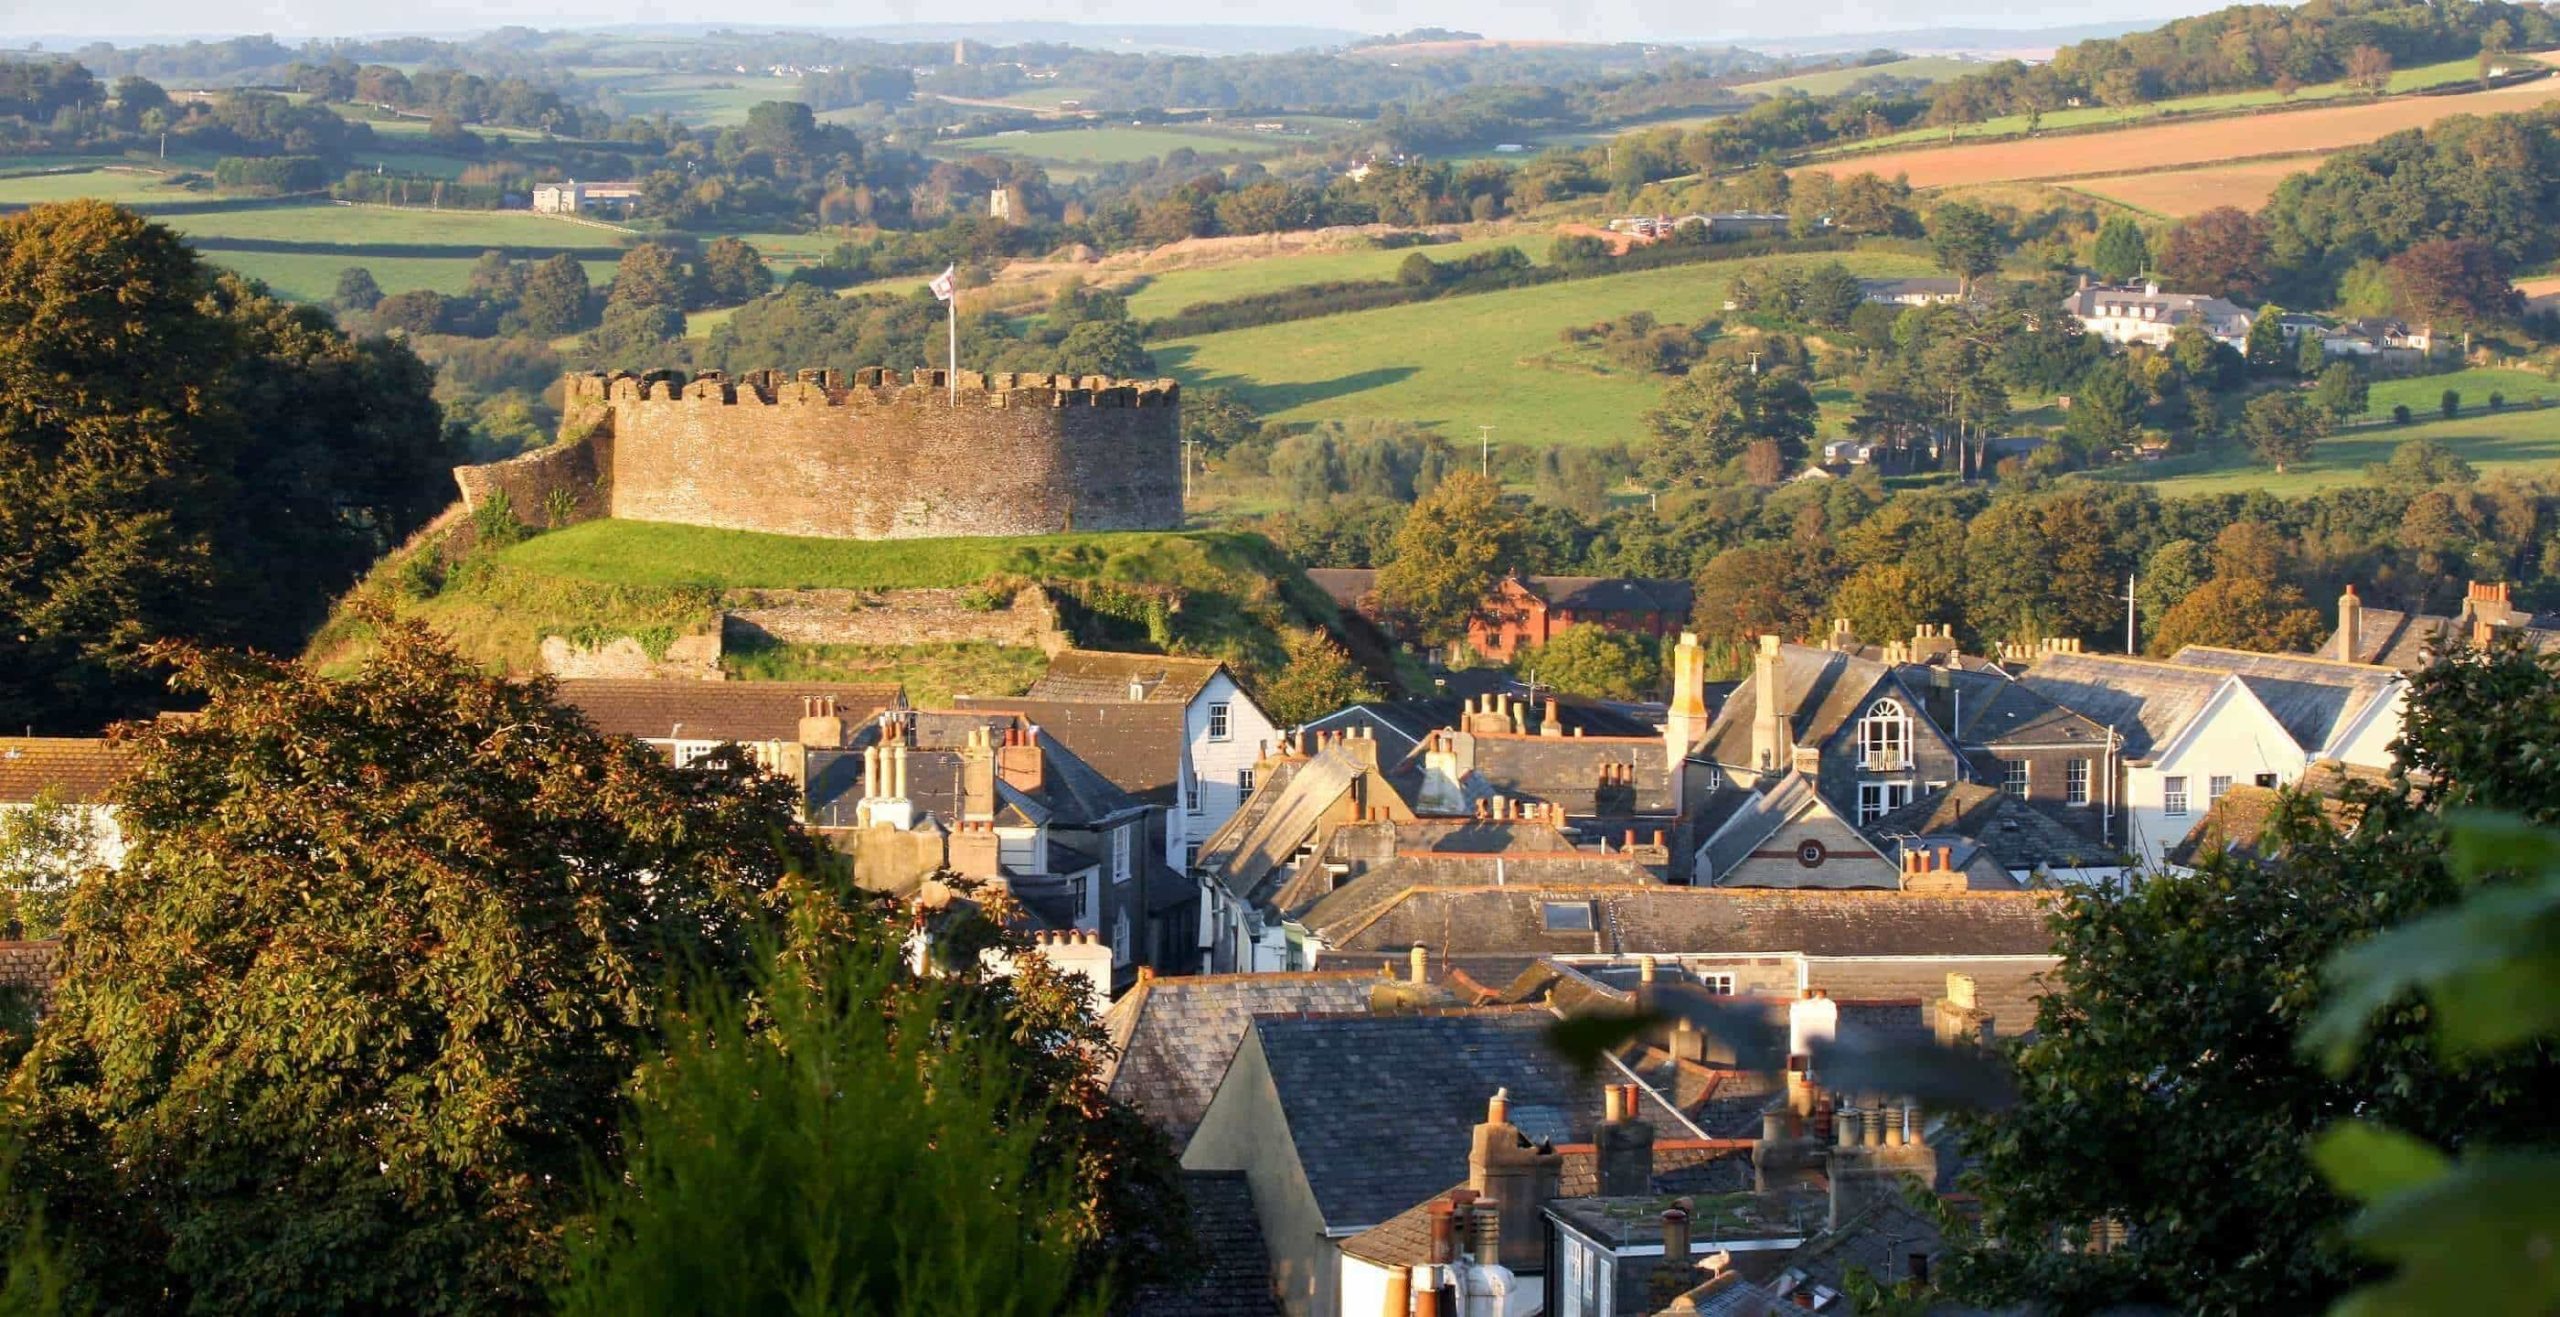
1854,727
1223,730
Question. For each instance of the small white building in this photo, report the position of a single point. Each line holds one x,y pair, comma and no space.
75,774
573,197
2142,313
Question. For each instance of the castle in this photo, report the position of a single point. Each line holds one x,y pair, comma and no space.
876,455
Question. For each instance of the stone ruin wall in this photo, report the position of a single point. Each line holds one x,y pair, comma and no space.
876,455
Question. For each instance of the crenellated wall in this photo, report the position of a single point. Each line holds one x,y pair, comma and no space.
875,455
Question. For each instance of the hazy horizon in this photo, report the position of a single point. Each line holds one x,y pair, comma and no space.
142,22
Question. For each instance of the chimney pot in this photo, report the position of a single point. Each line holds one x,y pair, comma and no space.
1497,1109
1420,960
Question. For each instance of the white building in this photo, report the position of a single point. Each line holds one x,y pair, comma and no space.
574,197
2142,313
2212,719
72,773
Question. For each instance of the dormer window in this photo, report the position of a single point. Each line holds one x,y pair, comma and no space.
1884,737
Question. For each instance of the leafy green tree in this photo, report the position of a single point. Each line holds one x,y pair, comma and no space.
1832,294
1318,678
1884,602
2449,405
181,456
555,296
1453,546
2280,428
1716,412
2422,464
1965,240
2265,347
1595,661
356,290
2107,411
731,272
2341,392
855,1145
417,311
635,336
2240,612
1216,419
651,274
1106,347
354,1015
2165,1090
2122,253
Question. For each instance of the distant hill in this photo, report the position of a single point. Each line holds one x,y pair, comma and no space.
1945,40
1125,38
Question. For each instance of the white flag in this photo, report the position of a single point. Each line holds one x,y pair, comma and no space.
943,283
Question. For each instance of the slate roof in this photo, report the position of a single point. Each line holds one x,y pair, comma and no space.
1099,675
1995,709
1235,1278
1411,720
1346,910
2145,700
1172,1038
741,711
1653,920
1613,594
1137,746
1565,770
1252,847
1680,1166
2313,698
1878,1240
1758,817
77,770
2019,834
1824,689
1381,1107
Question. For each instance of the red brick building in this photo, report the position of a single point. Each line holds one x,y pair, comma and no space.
1531,610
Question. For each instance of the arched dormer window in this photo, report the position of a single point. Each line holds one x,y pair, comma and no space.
1884,737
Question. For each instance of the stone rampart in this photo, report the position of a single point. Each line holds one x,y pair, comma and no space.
892,618
580,470
874,455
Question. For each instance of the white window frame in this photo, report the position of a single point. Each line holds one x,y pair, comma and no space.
1244,782
2215,788
1190,856
1222,723
2020,778
2075,782
2173,797
1877,799
1884,737
1120,854
1191,801
1716,985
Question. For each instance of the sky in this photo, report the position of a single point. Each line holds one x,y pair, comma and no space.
137,21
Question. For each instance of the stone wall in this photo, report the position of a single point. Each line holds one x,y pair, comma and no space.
688,658
891,617
886,456
28,967
581,468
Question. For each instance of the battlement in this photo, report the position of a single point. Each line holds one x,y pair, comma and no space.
872,386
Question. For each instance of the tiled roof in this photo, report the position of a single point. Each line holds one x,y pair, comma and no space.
2312,698
1175,1036
1092,674
75,770
742,711
1992,708
1613,594
1342,913
1137,746
1404,1240
2020,834
1346,586
1566,770
1410,720
1381,1107
1508,920
1879,1240
1235,1276
1823,688
2146,701
2239,822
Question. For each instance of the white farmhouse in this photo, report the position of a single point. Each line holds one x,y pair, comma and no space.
2142,313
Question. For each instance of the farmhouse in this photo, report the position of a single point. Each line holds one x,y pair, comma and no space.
574,197
2142,313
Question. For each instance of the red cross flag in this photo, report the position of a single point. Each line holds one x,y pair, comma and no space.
944,284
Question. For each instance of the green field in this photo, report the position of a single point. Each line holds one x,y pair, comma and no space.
1121,144
2513,441
331,224
1466,361
698,99
313,276
124,186
2086,116
1829,82
1163,294
2421,394
640,553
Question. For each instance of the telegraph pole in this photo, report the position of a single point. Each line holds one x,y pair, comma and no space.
2129,646
1484,450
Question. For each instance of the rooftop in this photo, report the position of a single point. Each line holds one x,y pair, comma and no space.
1511,920
1235,1274
1173,1037
1137,746
1098,676
76,770
739,711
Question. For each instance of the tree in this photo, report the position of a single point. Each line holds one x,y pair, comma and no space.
417,311
2166,1090
2107,410
1756,589
2494,42
2280,429
43,849
1451,549
1831,295
635,336
354,1014
1318,678
2341,392
731,272
650,274
2422,464
356,290
2454,283
860,1148
1587,659
1965,241
2222,251
1884,602
1106,347
2122,254
181,456
555,296
1714,414
2369,70
2265,348
2240,612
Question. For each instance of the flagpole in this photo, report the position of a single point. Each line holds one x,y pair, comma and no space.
952,374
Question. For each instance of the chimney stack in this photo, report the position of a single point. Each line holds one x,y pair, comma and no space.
1552,724
2350,625
1019,761
1686,723
978,777
1518,1179
1420,960
1772,733
1675,1236
1625,1146
820,727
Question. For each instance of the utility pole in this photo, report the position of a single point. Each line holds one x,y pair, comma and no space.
2129,646
1186,470
1484,450
1755,363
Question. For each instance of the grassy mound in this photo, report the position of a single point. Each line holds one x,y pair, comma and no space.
1217,593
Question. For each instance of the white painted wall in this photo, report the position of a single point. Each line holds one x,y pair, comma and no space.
1210,793
2234,736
